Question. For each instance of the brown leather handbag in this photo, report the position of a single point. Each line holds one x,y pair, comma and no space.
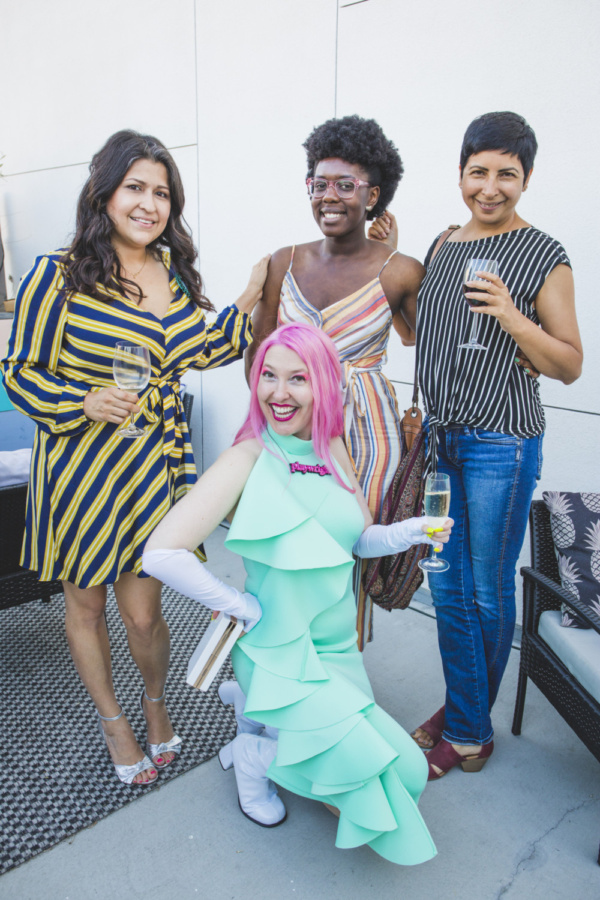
391,581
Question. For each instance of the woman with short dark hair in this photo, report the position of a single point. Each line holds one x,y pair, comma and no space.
486,420
95,494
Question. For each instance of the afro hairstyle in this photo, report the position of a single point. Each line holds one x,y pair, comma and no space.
360,142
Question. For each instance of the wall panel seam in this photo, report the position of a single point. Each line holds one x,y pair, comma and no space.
75,165
584,412
200,462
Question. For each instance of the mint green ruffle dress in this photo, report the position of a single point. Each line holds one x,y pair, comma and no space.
300,667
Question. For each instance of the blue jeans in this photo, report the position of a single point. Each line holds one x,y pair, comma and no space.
492,479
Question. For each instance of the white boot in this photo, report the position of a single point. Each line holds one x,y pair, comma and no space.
251,755
231,694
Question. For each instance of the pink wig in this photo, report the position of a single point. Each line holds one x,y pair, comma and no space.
318,353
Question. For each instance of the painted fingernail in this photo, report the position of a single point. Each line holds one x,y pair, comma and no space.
430,532
528,371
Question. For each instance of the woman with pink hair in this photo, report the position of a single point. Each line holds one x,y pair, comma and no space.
306,715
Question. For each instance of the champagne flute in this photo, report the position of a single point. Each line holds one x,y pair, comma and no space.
437,506
473,266
131,371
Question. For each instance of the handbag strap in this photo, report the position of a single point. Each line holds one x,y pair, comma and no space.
414,412
432,253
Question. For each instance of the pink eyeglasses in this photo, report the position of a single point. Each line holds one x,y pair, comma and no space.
345,188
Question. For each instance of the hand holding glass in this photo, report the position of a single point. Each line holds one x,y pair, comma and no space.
131,371
473,266
437,507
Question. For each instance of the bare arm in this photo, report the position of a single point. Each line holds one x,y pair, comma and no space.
408,335
401,284
264,319
405,321
211,499
554,349
401,280
254,289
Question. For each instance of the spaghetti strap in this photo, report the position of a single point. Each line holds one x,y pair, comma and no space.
383,266
289,268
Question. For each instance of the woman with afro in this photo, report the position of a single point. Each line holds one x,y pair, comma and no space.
354,290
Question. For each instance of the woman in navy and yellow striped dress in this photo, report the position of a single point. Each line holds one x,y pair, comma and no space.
94,495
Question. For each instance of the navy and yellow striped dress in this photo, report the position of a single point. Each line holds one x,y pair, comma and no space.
94,497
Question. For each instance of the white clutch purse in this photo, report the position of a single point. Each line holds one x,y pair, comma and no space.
213,650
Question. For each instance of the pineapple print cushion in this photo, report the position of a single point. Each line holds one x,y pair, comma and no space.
575,523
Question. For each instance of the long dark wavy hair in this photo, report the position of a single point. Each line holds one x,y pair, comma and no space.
91,262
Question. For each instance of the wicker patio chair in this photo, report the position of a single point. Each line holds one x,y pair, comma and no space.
17,585
542,591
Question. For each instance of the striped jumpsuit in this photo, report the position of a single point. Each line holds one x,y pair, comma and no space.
359,325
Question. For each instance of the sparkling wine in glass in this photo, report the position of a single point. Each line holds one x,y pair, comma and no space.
437,506
131,371
473,266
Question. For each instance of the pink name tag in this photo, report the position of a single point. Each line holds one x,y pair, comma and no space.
303,469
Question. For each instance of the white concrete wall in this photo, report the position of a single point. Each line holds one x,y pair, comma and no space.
264,81
73,73
233,87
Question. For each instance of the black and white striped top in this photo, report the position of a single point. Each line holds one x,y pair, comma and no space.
475,387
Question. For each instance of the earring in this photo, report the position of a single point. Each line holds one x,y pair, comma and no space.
369,208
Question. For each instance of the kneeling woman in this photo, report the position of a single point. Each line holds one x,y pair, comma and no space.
298,514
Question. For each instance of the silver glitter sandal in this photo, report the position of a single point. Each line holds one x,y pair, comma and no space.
126,774
172,746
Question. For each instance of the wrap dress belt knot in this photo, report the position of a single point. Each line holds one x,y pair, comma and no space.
163,402
352,394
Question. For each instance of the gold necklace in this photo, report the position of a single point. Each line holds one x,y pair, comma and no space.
135,274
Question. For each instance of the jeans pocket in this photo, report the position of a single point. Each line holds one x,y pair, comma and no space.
495,437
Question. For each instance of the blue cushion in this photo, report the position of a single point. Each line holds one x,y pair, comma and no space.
14,466
575,523
16,430
5,403
579,650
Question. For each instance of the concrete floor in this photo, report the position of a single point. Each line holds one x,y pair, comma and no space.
527,826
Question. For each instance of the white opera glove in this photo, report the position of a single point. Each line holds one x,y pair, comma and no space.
387,540
184,572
